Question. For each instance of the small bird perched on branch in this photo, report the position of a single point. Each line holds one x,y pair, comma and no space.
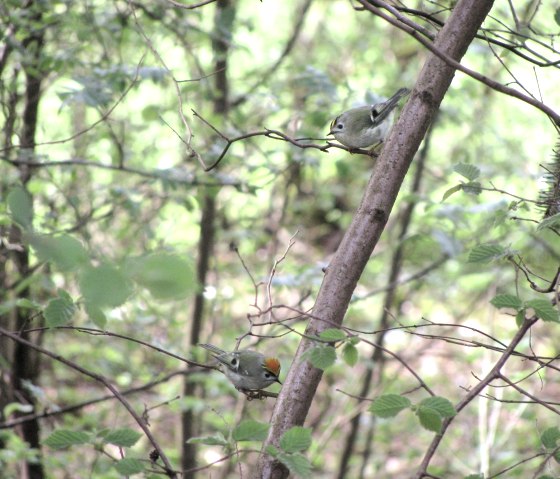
247,370
365,126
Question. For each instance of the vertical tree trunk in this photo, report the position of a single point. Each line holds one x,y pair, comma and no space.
25,364
367,225
378,356
223,24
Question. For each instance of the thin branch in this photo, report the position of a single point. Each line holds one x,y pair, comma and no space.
416,31
97,377
192,6
76,407
100,120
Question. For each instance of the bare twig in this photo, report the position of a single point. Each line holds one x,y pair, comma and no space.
416,31
169,471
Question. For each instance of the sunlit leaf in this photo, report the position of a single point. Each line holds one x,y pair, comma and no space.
389,405
105,285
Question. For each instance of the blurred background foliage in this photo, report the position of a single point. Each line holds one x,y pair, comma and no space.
114,225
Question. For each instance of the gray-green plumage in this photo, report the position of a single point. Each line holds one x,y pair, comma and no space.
365,126
248,370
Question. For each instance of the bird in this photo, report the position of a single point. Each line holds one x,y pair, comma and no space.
365,126
247,370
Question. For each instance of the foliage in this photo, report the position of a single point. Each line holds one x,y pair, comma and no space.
102,229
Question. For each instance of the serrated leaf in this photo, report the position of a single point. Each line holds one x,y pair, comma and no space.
389,405
129,466
20,205
507,301
440,404
296,439
550,436
429,418
350,354
332,334
66,252
250,430
216,440
165,275
321,357
484,253
451,191
296,463
467,170
58,312
63,438
543,309
549,222
96,315
122,437
105,286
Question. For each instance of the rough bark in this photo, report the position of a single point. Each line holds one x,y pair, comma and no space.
369,221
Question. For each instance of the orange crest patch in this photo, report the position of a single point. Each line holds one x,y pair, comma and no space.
272,365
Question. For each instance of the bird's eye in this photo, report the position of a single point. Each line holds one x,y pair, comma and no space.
267,375
234,362
340,126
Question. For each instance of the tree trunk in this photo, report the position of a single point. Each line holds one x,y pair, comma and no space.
369,221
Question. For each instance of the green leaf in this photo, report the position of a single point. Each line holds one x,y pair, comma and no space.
474,476
272,450
507,301
520,318
216,440
296,463
105,285
389,405
332,334
59,311
27,304
66,252
543,309
484,253
557,16
296,439
350,354
467,170
550,436
96,315
440,404
429,418
250,430
20,205
451,191
321,357
546,476
63,438
165,275
472,188
129,466
122,437
549,222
